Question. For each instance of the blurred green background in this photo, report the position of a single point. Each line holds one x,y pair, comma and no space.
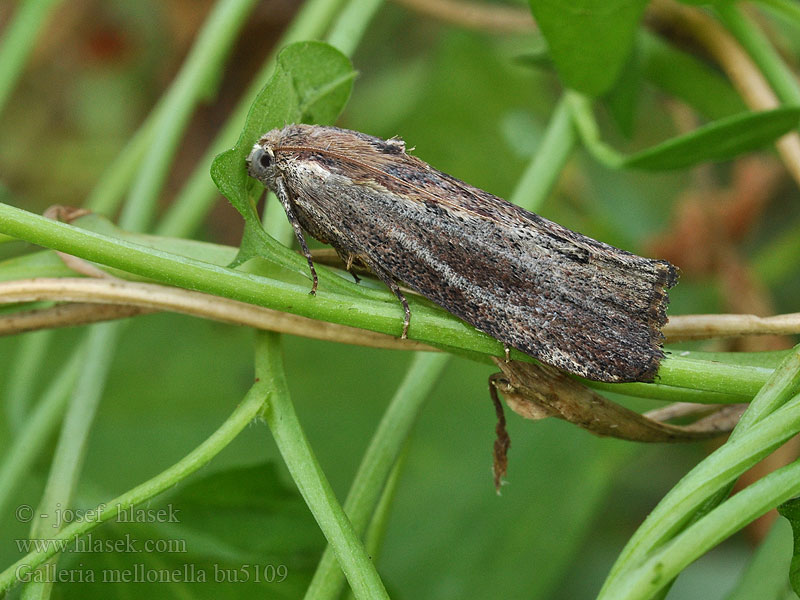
472,106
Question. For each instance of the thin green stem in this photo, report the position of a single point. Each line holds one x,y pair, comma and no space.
666,563
381,455
18,41
248,409
349,28
719,377
373,537
37,428
715,473
381,315
201,66
72,442
198,194
542,173
788,9
589,132
377,312
769,62
308,476
708,483
777,391
22,377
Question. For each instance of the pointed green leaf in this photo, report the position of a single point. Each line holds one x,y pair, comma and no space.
719,140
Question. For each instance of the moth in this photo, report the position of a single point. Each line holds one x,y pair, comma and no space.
565,299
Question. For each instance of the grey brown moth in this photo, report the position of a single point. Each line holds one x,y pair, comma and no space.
563,298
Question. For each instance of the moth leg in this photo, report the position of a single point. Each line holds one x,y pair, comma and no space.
282,192
507,350
406,310
387,279
348,260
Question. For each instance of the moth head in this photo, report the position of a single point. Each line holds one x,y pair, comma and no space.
261,163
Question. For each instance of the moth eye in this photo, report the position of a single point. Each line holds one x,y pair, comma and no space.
265,160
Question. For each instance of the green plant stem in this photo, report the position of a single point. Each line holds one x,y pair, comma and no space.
691,373
201,66
108,192
198,194
70,450
37,428
542,173
307,474
775,393
430,324
18,41
373,537
586,125
788,9
769,62
376,531
708,483
381,455
22,376
667,562
353,20
703,482
176,270
248,409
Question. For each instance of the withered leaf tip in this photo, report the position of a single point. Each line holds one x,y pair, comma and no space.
570,301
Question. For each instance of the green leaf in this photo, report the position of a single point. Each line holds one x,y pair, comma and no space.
791,511
589,40
719,140
311,84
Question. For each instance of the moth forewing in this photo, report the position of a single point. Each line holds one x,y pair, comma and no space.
568,300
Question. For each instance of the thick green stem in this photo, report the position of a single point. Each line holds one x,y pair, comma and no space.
542,173
773,418
308,476
379,312
381,455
